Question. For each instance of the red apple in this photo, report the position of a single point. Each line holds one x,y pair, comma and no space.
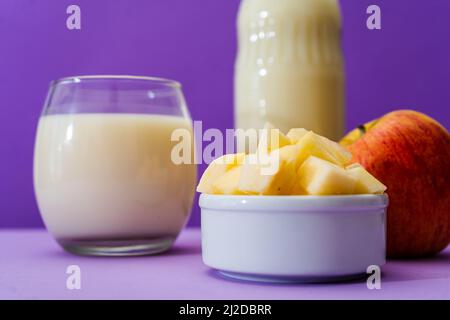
409,152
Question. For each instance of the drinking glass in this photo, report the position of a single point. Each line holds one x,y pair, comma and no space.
105,179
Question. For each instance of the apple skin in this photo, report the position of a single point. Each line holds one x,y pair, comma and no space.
409,152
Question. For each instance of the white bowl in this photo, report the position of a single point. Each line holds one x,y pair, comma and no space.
293,238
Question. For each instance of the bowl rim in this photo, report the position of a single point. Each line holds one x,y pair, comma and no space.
300,203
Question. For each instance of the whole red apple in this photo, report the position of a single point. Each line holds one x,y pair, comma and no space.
409,152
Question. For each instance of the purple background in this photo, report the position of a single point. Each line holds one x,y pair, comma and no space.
406,64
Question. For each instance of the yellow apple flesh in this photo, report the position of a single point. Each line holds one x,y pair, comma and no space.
320,177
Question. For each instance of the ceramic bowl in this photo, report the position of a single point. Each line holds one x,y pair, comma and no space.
293,238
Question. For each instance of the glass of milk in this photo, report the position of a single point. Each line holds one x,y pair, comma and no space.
105,179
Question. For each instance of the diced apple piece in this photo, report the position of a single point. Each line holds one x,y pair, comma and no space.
297,188
312,145
216,169
365,182
289,154
251,180
353,166
271,138
339,152
295,134
231,160
274,175
228,182
320,177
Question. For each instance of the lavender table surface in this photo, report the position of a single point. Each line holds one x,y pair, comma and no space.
32,266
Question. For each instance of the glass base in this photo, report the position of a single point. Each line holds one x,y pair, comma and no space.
125,247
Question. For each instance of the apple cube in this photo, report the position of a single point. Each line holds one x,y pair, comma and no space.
271,175
365,182
297,188
228,182
216,169
313,145
339,152
295,134
342,155
271,139
320,177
